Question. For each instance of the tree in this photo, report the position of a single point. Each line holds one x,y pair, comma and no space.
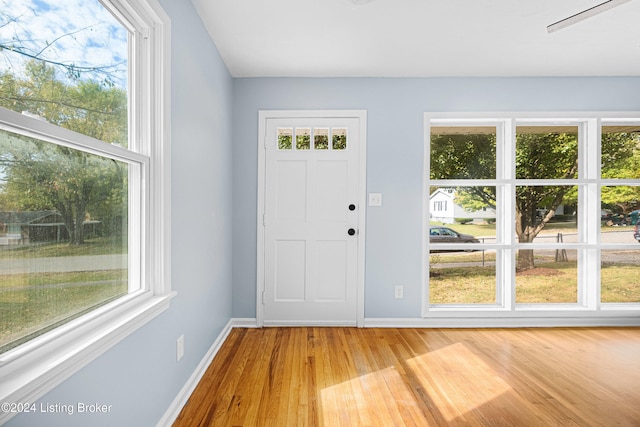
538,155
621,160
546,156
39,175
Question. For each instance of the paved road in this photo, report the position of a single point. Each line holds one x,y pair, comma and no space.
63,264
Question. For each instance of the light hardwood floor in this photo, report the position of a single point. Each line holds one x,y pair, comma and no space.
421,377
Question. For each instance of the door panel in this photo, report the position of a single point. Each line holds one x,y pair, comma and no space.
331,264
290,260
291,190
332,194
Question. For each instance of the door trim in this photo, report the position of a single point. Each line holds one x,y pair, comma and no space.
265,115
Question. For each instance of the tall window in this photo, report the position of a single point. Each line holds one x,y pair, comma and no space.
463,165
619,191
64,219
83,190
560,201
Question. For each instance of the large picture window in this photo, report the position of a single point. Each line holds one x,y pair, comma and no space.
63,210
83,184
542,219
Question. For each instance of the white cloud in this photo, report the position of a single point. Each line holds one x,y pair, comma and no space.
78,32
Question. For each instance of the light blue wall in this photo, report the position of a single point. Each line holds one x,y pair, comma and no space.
140,376
394,159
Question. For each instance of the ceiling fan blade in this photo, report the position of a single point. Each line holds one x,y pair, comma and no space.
588,13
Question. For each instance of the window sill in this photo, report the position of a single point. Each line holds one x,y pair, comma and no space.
33,369
535,311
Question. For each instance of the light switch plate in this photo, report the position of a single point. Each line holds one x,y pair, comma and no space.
375,199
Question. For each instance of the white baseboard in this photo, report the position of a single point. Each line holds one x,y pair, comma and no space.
183,396
247,322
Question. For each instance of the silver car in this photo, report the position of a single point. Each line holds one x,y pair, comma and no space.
447,235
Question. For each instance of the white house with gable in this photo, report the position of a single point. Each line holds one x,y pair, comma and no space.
443,208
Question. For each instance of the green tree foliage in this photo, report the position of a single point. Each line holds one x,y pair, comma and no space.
39,175
474,199
621,160
538,156
455,156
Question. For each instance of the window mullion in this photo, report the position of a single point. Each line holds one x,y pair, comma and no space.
589,217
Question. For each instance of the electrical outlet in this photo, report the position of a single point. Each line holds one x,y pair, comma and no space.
180,348
399,291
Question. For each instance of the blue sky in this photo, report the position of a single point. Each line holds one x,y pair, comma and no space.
79,32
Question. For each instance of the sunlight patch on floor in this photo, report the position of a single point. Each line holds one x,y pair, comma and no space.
451,381
456,380
351,402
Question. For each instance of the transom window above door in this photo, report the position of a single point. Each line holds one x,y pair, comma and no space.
324,138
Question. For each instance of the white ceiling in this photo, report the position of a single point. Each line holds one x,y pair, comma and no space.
421,38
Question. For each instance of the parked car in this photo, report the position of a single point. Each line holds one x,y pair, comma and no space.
616,220
447,235
636,231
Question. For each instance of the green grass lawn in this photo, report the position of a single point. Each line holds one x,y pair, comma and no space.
552,283
463,285
33,303
620,283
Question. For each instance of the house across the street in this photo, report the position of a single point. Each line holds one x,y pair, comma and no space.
26,227
443,208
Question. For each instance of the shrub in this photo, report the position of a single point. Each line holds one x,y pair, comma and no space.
463,220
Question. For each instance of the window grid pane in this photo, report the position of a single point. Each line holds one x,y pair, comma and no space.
74,76
321,138
462,278
285,138
620,276
339,139
63,235
554,280
303,138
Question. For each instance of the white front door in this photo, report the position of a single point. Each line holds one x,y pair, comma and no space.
311,227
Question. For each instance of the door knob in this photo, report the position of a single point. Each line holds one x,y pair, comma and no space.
352,207
351,232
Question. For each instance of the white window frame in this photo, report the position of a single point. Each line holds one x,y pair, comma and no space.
588,310
37,366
